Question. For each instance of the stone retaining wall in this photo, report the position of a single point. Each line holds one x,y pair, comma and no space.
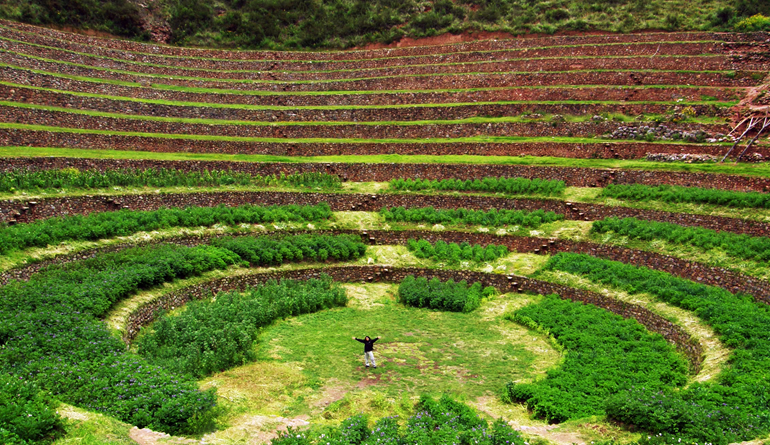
693,350
408,113
553,59
507,93
360,172
599,150
729,280
409,82
596,49
26,211
588,129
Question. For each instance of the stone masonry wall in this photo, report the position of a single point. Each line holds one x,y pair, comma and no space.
601,150
509,93
589,129
729,280
573,177
408,113
27,211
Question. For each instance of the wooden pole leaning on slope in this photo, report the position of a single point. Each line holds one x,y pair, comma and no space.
765,125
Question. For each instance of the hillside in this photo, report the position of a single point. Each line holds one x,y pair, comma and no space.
307,24
557,239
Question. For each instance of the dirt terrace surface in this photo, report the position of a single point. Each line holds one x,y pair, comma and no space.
12,114
372,98
409,81
699,57
599,150
435,112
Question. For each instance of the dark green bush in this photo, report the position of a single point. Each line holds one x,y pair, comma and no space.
731,409
27,415
605,354
673,193
445,296
453,253
444,421
214,335
493,217
126,222
268,251
736,245
512,186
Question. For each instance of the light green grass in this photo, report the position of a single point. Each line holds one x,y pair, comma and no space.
745,169
89,428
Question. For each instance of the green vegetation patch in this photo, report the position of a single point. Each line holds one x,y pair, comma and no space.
678,194
442,421
125,222
27,414
734,408
605,354
71,178
453,253
736,245
218,334
493,217
514,186
442,295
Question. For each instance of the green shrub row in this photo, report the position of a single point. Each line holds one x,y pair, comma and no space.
605,354
445,296
27,415
453,253
734,408
51,333
512,186
736,245
673,193
71,178
437,422
264,251
217,334
492,217
126,222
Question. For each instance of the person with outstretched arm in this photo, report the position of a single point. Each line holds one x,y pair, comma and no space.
368,349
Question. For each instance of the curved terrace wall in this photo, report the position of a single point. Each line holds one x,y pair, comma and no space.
12,114
653,322
508,93
410,82
26,211
552,59
366,172
409,113
732,281
599,150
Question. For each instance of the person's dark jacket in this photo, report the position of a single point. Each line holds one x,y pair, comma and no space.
368,344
